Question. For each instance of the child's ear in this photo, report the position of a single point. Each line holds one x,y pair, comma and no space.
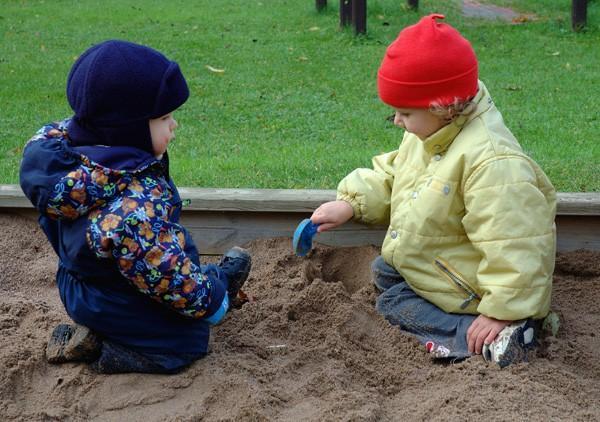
449,115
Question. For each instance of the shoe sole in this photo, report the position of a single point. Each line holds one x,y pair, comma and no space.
69,343
516,350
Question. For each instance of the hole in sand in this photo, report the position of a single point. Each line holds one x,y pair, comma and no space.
349,266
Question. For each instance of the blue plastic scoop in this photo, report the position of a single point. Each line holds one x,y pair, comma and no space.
303,237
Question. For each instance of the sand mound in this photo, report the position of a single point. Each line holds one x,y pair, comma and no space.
309,346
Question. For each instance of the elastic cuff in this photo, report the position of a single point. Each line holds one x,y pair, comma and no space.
220,314
356,208
219,287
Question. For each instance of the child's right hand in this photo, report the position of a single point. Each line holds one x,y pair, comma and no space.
332,214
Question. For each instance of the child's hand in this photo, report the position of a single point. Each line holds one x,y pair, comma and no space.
332,214
483,331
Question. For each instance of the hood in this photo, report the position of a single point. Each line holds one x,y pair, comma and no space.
66,182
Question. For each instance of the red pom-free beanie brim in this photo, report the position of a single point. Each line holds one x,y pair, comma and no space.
422,94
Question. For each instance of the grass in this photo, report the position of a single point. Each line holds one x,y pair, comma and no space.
296,105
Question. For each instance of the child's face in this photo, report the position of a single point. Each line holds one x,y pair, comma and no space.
162,130
418,121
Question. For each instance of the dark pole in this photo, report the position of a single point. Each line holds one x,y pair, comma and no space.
320,4
345,12
359,16
413,4
578,14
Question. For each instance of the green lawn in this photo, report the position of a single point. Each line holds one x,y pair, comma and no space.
296,105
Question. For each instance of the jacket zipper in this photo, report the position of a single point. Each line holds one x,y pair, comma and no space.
458,282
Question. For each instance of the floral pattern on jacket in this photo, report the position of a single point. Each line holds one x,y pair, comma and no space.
130,220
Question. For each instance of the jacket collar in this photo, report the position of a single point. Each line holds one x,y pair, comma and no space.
440,141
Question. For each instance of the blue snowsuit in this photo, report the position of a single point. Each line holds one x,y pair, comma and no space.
127,269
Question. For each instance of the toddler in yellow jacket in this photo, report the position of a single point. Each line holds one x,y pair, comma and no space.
466,264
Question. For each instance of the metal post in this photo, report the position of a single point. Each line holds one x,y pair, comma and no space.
359,16
578,14
413,4
345,12
320,4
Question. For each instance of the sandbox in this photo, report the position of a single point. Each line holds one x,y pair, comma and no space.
308,346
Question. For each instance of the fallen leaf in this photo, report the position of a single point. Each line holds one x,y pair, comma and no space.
240,299
214,69
523,19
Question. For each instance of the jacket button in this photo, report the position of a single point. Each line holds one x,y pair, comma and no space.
394,234
437,157
415,194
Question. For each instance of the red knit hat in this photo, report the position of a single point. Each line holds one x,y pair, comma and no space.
429,61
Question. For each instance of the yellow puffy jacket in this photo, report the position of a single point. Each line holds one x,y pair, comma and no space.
471,217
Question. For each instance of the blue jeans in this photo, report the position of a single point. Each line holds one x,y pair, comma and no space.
401,306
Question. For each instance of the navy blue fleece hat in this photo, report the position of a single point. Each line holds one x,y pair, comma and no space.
115,87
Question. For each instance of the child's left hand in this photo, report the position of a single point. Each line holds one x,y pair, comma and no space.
483,331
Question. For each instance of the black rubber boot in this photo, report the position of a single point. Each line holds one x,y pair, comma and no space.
72,343
117,359
236,264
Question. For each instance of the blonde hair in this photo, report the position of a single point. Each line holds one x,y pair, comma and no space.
449,112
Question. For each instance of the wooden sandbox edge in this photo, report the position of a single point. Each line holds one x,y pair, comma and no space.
221,218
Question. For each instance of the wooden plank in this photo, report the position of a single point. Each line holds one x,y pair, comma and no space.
578,203
293,200
255,200
577,232
216,232
221,218
13,196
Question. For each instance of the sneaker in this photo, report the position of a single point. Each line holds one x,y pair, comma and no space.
511,345
437,350
72,342
236,264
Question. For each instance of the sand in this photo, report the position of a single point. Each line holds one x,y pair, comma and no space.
308,347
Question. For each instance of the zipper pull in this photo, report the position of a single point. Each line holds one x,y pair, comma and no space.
468,300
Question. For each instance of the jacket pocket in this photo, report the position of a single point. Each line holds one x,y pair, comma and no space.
457,281
435,207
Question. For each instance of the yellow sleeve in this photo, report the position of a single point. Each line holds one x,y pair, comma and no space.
369,190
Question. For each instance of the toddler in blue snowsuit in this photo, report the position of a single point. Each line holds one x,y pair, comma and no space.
129,274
